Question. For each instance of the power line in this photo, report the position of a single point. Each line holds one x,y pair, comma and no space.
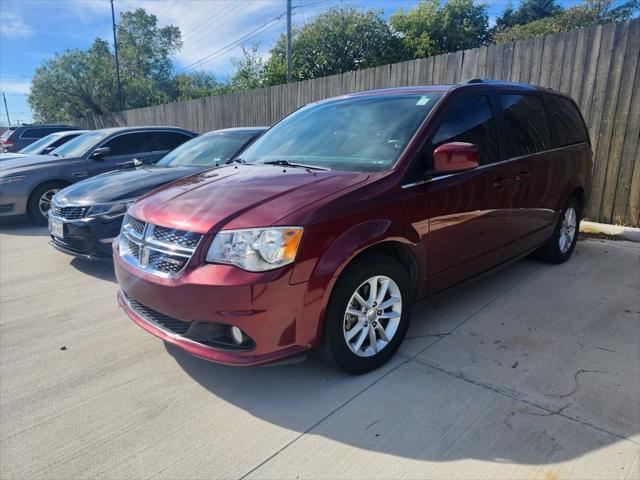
202,34
239,43
211,21
235,43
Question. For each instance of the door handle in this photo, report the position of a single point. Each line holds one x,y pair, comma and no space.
500,182
521,176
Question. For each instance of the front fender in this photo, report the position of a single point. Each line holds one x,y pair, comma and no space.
334,257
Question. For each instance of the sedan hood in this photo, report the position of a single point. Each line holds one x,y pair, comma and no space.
11,155
121,184
28,162
242,196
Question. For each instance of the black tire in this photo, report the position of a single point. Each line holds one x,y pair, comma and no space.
333,348
551,252
33,208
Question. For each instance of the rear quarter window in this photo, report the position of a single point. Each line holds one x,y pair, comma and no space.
526,125
37,132
567,123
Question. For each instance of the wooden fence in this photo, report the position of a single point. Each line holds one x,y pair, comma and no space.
597,66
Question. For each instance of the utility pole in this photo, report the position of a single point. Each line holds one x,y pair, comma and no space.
6,110
288,41
115,46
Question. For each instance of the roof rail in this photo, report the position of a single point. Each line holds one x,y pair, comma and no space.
475,80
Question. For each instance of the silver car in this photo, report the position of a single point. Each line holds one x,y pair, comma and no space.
27,184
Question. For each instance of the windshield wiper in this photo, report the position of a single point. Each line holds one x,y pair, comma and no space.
287,163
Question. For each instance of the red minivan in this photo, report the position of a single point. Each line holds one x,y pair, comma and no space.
339,218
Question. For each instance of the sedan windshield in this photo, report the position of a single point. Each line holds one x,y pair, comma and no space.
207,150
362,133
80,145
38,145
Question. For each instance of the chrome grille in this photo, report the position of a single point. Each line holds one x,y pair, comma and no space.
136,225
176,237
159,250
69,213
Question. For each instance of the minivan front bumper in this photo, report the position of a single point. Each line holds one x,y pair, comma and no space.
264,306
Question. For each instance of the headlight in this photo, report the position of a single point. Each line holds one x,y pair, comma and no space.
256,249
17,178
110,210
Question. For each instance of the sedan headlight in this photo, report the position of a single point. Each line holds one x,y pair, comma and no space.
17,178
110,210
256,249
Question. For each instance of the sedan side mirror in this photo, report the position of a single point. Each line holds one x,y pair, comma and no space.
99,152
48,150
455,157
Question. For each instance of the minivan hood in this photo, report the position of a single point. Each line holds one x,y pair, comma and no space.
241,196
121,184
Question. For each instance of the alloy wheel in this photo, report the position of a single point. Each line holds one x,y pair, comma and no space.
44,203
372,316
567,230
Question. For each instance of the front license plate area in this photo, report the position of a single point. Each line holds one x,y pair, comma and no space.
56,228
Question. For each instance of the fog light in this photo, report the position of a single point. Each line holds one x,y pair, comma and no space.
236,335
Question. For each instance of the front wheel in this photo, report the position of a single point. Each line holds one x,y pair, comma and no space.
368,314
561,244
40,201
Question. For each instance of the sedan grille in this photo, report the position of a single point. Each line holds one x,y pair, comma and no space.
159,250
69,213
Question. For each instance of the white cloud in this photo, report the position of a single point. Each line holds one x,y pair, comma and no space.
14,87
12,25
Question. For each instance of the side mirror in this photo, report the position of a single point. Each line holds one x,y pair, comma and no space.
455,157
48,150
99,152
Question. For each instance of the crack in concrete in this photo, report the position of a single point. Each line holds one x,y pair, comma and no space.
517,396
577,382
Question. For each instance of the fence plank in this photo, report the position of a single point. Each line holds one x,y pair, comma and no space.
601,96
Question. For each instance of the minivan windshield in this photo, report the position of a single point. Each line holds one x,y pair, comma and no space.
206,150
80,145
38,145
362,133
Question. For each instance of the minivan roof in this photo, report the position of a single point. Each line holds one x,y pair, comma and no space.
471,85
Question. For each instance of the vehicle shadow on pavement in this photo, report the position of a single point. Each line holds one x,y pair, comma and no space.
100,270
516,397
23,229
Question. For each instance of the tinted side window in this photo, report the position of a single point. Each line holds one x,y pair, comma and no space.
567,122
167,140
36,132
129,143
526,125
62,140
470,120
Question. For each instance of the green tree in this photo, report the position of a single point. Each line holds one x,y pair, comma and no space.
145,51
249,70
431,28
73,84
79,82
587,14
528,11
197,85
337,41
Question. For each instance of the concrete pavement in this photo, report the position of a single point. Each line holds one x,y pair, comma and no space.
531,372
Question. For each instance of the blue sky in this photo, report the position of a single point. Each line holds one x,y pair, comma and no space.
33,30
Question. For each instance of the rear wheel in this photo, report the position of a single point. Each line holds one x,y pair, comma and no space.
40,201
561,244
368,314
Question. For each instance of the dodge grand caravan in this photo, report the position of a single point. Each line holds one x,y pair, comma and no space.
334,222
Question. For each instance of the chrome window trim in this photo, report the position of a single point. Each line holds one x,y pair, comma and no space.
482,167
